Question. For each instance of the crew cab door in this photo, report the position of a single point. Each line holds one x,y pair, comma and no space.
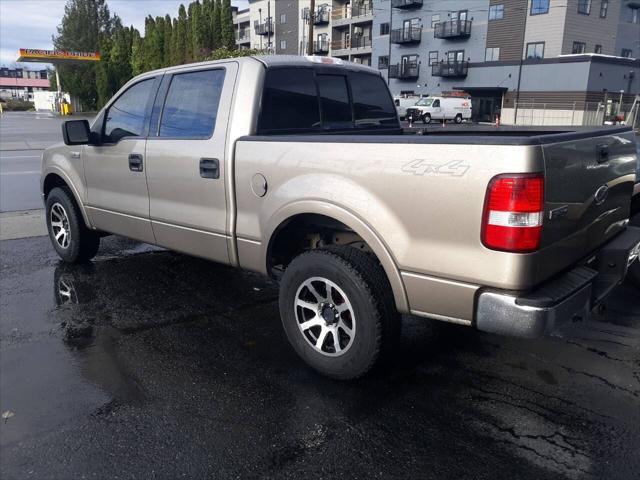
186,160
117,196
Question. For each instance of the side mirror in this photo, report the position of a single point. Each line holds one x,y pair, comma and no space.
76,132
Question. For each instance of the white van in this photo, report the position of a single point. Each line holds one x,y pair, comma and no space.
441,108
404,102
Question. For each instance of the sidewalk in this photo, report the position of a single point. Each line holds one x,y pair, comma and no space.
22,224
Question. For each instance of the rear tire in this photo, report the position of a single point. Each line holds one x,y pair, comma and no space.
426,118
70,237
458,118
338,311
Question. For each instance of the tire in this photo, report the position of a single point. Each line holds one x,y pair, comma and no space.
360,308
76,244
458,118
633,274
426,118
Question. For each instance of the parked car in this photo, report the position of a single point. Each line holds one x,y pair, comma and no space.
247,162
404,102
441,108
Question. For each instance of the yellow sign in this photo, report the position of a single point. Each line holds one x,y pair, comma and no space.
33,55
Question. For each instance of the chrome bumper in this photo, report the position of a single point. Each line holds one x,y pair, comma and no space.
558,301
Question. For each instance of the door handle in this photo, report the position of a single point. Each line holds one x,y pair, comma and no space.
209,168
602,152
135,162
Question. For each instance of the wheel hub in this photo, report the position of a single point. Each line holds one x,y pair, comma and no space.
329,313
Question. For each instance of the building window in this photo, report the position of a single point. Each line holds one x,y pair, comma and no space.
283,44
584,7
604,6
635,14
434,20
626,53
433,57
597,49
538,7
383,62
458,15
579,47
535,50
496,12
492,54
384,28
283,18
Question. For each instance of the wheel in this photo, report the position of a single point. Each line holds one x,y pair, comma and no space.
458,118
338,311
426,118
71,239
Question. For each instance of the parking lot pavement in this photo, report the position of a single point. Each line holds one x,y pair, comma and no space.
151,364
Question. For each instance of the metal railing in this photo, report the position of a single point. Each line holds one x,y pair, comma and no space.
406,4
570,113
452,29
353,43
321,17
408,70
354,11
264,28
406,35
450,69
321,46
243,34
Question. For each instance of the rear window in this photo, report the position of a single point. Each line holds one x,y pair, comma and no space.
289,101
372,104
334,101
301,100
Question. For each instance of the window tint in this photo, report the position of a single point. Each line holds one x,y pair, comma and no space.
334,101
128,115
289,101
191,106
372,103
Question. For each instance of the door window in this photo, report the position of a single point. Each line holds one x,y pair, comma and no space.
334,101
129,114
191,107
436,104
372,105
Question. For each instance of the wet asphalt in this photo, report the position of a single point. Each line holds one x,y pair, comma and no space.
150,364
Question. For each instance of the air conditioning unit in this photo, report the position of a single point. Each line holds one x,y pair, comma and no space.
357,31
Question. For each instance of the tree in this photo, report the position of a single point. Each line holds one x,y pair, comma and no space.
216,24
168,41
197,23
182,42
84,24
176,58
226,26
137,53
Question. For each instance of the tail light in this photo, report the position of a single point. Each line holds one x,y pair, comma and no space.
513,213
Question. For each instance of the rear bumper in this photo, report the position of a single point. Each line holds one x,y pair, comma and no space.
575,293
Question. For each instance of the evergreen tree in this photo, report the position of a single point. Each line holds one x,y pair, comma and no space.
168,41
137,53
207,11
197,31
84,24
216,24
176,58
182,42
226,26
159,43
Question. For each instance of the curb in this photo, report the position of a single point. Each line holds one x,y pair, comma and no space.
22,224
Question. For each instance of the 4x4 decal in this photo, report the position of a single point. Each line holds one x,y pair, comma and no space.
454,168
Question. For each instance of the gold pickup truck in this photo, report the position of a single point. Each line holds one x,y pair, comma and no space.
297,167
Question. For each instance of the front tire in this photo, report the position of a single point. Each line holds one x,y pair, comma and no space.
70,237
338,311
426,118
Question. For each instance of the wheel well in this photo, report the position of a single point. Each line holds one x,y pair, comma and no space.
304,232
52,181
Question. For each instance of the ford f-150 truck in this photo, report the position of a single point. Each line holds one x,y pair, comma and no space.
297,167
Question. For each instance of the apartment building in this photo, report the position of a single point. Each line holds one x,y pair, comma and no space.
507,51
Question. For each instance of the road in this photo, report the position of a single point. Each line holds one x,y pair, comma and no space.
23,137
150,364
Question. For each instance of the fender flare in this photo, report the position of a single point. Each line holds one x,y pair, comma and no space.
358,225
74,191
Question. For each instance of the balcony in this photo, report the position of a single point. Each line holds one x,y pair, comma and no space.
404,71
452,29
321,17
360,42
321,47
265,28
362,10
358,12
406,4
356,43
450,69
243,35
406,36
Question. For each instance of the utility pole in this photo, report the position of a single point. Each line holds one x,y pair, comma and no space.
312,14
269,26
522,54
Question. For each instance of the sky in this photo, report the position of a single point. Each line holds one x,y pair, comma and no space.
31,23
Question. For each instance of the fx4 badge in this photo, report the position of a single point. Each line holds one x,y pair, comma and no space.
454,168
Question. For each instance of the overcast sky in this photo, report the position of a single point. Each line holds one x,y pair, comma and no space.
31,23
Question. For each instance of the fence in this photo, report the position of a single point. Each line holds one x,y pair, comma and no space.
570,113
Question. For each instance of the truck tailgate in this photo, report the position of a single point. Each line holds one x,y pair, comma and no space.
588,188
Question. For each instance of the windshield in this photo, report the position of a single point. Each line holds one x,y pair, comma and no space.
425,102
